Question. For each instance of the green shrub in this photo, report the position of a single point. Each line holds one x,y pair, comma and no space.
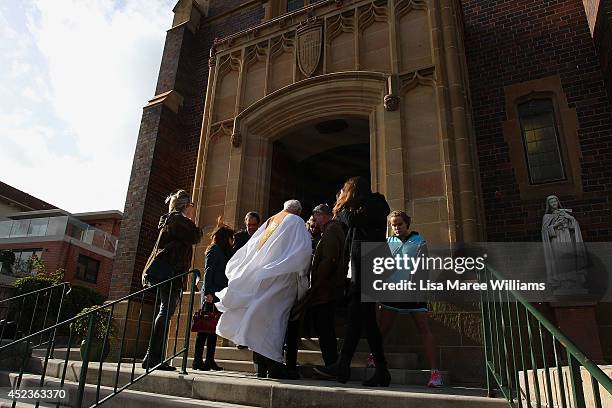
79,298
100,323
31,283
30,310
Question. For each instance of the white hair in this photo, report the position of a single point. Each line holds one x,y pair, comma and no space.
292,206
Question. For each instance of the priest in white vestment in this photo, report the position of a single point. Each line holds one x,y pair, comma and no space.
266,277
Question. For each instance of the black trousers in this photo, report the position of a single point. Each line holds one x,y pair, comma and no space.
323,319
208,339
167,300
362,315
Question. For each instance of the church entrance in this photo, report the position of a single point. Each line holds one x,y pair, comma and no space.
311,162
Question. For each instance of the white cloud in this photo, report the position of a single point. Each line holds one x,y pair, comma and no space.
84,72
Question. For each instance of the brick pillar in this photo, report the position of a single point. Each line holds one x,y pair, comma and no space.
156,167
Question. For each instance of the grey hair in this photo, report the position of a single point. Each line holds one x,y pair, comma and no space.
292,206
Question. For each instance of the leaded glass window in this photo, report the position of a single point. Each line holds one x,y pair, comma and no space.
541,141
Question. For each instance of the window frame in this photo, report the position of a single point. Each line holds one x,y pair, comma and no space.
84,277
555,127
566,121
18,260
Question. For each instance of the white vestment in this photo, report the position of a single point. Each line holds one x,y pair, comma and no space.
263,285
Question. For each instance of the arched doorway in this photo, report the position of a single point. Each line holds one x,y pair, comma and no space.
310,162
314,124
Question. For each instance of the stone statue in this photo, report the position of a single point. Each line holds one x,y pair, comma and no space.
564,251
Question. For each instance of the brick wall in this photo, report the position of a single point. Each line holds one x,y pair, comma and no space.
602,36
195,91
218,7
110,226
167,146
53,253
102,284
62,254
508,42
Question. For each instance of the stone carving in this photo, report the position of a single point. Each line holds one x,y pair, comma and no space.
309,45
391,102
212,58
236,139
564,250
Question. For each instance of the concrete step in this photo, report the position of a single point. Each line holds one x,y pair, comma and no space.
312,343
241,361
126,398
314,357
305,357
245,389
399,376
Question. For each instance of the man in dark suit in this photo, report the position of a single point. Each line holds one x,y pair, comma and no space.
251,222
326,289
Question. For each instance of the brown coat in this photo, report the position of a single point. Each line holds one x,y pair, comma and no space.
327,272
177,235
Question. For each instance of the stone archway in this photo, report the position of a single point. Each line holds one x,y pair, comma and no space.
256,128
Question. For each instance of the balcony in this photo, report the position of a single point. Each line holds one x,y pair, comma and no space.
58,227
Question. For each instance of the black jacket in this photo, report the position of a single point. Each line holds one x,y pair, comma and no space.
326,273
366,223
214,271
240,239
177,235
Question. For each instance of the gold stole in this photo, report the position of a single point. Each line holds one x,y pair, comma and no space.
270,228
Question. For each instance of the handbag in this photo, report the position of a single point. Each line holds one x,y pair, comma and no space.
205,320
158,271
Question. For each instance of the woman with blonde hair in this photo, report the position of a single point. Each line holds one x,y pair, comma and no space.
171,256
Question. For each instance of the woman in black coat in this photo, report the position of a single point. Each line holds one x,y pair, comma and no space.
365,215
217,254
170,257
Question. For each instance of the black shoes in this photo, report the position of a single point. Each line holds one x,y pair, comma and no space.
279,371
343,370
381,377
267,368
327,372
198,364
147,365
294,373
262,370
211,365
166,367
207,365
340,370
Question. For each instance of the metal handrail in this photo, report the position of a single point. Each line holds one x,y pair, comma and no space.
35,291
509,321
34,297
92,318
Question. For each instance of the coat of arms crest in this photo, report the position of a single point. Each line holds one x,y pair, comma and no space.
309,45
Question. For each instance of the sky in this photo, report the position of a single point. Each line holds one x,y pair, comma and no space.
74,76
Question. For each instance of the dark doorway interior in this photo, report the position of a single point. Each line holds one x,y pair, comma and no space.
311,163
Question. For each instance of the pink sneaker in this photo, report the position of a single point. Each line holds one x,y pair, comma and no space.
435,380
370,362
